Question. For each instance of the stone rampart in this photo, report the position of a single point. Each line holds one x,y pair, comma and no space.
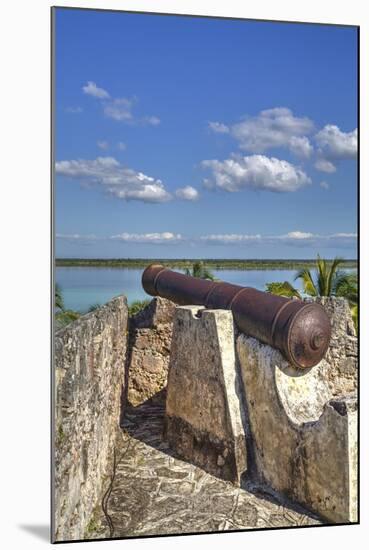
90,357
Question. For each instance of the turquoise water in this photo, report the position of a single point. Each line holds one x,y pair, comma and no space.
86,286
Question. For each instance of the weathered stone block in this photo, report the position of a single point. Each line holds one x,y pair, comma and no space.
342,354
90,356
304,442
204,414
149,349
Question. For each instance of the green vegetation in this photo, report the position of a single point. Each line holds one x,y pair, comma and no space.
282,289
94,307
328,280
61,434
63,316
138,263
200,271
137,306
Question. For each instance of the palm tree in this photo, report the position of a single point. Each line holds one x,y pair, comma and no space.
63,316
328,281
346,286
200,271
327,277
59,302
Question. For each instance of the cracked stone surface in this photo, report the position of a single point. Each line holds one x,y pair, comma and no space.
154,493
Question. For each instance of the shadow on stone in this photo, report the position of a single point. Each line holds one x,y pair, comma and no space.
146,423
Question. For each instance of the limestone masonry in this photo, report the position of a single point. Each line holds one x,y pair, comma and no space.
173,406
90,359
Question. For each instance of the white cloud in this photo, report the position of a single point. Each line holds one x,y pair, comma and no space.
301,147
232,238
148,238
270,128
152,120
218,127
119,109
91,89
293,238
324,185
336,145
324,165
255,172
110,176
104,145
297,235
73,110
187,193
76,237
121,146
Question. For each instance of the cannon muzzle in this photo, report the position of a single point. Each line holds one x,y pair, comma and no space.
300,330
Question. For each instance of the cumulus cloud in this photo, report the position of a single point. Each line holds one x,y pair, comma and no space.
270,128
336,145
255,172
149,238
110,176
121,146
324,165
187,193
301,147
91,89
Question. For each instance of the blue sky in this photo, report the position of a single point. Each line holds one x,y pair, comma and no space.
194,137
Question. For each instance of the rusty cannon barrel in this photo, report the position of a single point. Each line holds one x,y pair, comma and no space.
300,330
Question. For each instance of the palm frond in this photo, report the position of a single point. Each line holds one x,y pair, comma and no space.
332,275
307,282
59,301
345,286
283,289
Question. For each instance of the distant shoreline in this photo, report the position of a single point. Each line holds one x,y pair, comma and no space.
136,263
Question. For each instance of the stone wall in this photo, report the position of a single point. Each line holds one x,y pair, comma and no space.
342,354
205,416
150,335
293,432
304,442
90,357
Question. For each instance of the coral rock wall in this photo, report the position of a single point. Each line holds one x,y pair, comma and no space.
149,350
90,357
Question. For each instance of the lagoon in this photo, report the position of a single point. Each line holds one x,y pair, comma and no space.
83,287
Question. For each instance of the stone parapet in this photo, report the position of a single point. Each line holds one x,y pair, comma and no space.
304,440
90,356
204,413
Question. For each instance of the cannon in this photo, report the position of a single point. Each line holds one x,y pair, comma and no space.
301,331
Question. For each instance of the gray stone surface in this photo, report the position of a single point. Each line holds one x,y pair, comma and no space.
204,412
90,356
342,354
304,443
156,493
150,335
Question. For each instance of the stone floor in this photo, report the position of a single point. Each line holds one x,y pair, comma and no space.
154,493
